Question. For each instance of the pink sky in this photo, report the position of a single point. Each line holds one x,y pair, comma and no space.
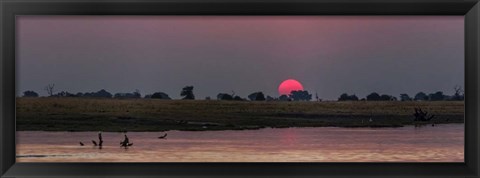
327,54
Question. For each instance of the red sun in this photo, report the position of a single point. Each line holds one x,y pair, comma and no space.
287,86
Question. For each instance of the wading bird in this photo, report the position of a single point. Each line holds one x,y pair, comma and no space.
126,142
100,140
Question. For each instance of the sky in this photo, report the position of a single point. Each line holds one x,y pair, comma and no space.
329,55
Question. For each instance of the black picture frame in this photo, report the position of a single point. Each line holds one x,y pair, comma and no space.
9,9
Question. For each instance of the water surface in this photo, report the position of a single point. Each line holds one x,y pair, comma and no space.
442,143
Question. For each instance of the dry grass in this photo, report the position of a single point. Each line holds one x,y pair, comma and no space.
82,114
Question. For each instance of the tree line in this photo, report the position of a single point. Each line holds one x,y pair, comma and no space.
186,93
301,95
420,96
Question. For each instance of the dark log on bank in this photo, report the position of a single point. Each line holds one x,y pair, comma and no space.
163,137
422,115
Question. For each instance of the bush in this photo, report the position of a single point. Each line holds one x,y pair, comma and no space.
160,95
224,96
257,96
346,97
373,97
405,97
300,95
30,94
187,93
420,96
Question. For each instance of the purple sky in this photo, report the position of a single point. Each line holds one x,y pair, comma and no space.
327,54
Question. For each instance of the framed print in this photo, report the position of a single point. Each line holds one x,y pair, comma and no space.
239,89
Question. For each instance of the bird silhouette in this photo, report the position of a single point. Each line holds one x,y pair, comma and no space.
162,137
81,144
126,143
100,139
94,143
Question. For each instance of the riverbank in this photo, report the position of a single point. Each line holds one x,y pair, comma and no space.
88,114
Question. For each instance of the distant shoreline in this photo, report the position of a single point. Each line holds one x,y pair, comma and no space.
118,115
292,127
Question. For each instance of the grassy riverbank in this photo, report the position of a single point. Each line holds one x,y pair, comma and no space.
85,114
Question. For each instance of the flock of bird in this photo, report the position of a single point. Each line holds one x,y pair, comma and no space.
125,143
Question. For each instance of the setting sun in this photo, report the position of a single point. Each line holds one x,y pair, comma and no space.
287,86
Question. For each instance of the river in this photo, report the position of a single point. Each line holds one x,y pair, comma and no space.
441,143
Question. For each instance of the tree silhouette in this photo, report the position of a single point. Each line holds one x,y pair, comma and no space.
284,98
224,96
187,93
64,94
50,88
99,94
160,95
459,93
385,97
238,98
373,97
437,96
420,96
405,97
346,97
102,94
269,98
300,95
30,94
135,94
257,96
